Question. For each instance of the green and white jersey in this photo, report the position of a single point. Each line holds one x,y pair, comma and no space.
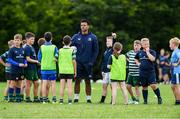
133,67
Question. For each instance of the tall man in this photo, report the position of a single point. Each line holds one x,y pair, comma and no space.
87,51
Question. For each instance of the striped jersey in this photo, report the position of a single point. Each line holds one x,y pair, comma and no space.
133,67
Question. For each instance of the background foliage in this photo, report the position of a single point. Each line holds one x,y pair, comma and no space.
130,19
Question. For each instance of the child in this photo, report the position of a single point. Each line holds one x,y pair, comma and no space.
16,58
4,62
31,70
145,58
160,61
133,75
104,69
41,41
117,66
67,68
175,60
166,68
47,55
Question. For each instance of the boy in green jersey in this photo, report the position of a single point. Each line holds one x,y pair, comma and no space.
67,68
117,66
48,55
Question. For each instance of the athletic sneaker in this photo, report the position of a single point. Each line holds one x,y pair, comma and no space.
159,100
76,100
89,101
61,101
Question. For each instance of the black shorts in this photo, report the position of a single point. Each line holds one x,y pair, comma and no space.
147,78
14,76
84,71
113,80
66,76
8,76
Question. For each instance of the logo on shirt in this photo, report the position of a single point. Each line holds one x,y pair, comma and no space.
89,39
79,39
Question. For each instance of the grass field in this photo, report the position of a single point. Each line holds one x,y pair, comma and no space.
94,110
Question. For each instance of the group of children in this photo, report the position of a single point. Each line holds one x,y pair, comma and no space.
141,66
23,65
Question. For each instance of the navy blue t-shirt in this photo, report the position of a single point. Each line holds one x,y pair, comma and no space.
30,52
16,56
106,56
145,63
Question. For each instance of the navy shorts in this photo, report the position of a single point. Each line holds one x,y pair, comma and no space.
48,76
84,71
17,76
147,78
165,71
175,79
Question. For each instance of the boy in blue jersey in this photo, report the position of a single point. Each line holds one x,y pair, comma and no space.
133,75
67,68
16,58
4,62
145,58
47,56
175,61
87,51
105,71
31,70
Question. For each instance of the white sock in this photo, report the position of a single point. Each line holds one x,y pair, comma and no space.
76,96
88,97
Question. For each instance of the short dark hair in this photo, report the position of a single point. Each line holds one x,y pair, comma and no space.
48,36
85,20
109,37
41,41
66,40
29,35
117,46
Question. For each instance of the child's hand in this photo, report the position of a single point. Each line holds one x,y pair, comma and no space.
162,62
25,65
114,35
38,63
103,75
175,64
147,49
21,65
55,60
7,65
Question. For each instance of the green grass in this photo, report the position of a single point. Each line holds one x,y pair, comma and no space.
94,110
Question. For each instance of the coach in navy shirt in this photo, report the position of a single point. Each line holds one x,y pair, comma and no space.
87,51
145,58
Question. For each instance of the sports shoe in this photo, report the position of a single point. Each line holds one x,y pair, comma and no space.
28,100
76,100
145,102
54,100
89,101
159,100
36,100
61,101
69,102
